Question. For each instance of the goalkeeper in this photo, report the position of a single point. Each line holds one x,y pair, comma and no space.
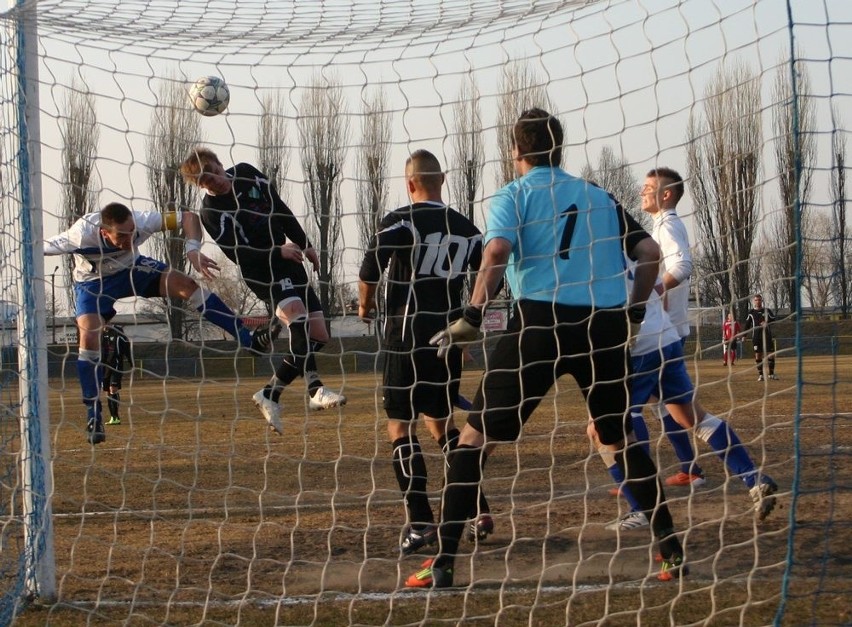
561,242
244,215
108,266
115,350
427,249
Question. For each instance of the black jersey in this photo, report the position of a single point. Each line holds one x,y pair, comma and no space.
430,248
251,222
754,320
115,349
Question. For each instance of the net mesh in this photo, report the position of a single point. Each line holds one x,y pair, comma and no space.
193,511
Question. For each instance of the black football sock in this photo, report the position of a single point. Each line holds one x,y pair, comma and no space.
463,479
113,400
410,469
647,490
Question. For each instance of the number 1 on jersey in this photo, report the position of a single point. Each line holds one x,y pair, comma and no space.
570,215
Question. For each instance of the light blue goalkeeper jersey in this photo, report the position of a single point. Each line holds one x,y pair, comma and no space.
567,239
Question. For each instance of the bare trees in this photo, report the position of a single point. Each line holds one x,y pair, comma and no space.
372,167
817,260
793,122
468,150
323,135
520,89
614,175
79,149
723,160
840,229
273,158
174,130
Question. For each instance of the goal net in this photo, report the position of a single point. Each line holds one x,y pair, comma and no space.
193,511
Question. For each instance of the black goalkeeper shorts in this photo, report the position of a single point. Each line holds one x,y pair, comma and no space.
542,343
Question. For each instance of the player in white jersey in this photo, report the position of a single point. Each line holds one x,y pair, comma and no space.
108,266
661,193
659,368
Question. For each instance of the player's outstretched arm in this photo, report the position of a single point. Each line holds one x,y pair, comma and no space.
63,243
190,224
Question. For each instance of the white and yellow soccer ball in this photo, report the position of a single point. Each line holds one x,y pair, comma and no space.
209,95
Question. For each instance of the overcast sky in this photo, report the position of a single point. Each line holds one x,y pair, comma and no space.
621,73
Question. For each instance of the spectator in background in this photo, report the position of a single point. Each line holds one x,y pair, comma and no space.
730,339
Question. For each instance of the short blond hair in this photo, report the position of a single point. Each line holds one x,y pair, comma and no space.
196,163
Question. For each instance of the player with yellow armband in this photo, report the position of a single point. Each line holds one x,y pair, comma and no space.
109,266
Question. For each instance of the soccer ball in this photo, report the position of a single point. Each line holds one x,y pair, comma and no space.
209,95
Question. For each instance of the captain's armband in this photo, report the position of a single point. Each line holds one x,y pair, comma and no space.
171,220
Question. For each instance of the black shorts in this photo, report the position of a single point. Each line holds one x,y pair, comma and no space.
418,382
760,343
290,280
556,340
112,378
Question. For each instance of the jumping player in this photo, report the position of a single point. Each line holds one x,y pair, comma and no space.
108,266
244,215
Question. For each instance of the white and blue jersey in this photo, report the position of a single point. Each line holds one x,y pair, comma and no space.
94,256
103,273
568,239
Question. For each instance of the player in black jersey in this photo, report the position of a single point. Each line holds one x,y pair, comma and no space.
757,321
428,249
244,215
115,350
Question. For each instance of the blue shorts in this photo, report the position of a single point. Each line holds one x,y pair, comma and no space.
662,374
99,296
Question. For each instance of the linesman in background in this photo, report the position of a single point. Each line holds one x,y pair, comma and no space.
758,321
